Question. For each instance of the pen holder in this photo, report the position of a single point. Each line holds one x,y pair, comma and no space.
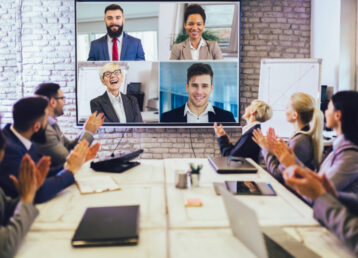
194,180
181,179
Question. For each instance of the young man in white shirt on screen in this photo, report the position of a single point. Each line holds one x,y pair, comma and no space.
198,109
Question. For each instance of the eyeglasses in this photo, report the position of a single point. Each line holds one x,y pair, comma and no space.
109,74
63,98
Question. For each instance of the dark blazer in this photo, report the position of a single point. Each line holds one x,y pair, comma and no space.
177,115
103,104
245,146
14,151
131,49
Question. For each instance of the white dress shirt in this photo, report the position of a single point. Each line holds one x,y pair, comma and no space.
249,126
117,104
195,52
26,142
202,118
110,46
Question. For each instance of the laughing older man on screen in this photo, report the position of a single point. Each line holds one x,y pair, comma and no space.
116,106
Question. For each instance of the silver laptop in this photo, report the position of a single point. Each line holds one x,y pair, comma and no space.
244,225
231,165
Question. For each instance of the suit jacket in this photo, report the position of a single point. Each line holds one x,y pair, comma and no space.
103,104
302,146
56,181
58,146
131,49
15,218
339,216
181,51
244,147
177,115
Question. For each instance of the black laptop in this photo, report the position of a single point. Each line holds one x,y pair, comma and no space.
231,165
107,226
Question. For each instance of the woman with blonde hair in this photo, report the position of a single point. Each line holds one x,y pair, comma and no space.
257,112
341,164
306,142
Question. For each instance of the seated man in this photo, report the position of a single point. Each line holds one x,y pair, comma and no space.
197,109
115,45
116,106
336,211
58,146
30,120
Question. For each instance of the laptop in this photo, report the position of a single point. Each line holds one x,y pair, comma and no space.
107,226
244,225
231,165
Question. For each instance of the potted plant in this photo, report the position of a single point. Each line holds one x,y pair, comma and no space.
194,174
207,35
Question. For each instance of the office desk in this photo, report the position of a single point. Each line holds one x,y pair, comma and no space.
167,228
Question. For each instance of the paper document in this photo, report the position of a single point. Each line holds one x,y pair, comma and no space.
96,184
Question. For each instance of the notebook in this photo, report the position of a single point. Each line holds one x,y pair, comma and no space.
107,226
96,184
231,165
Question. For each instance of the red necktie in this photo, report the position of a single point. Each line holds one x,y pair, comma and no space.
114,50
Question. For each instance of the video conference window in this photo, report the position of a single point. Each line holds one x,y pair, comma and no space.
158,63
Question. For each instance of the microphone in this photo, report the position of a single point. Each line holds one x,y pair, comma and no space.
125,131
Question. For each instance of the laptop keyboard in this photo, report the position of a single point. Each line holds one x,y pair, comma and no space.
274,250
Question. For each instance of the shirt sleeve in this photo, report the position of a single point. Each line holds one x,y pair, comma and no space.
338,219
19,224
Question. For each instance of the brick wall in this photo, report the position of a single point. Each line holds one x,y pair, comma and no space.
37,44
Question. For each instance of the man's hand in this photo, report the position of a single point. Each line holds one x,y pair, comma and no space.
77,157
94,122
92,151
42,168
304,182
259,138
26,185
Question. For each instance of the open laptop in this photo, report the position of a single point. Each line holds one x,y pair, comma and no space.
231,165
245,227
105,226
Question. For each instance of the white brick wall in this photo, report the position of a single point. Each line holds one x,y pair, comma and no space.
37,44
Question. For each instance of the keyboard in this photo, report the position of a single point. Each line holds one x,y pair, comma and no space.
274,250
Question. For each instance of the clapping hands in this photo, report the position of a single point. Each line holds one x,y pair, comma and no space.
219,131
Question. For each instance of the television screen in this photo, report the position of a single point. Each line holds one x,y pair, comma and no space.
157,63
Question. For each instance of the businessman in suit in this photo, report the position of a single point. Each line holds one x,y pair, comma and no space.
57,145
115,45
116,106
198,109
30,119
338,211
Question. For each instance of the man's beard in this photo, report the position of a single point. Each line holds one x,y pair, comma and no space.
115,34
39,136
58,112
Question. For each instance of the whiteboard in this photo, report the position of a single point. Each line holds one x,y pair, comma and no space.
279,79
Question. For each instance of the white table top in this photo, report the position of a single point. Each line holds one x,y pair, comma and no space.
167,228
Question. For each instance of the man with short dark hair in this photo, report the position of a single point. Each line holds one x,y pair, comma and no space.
58,146
198,109
115,45
30,120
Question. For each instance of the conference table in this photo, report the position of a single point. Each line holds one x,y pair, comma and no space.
170,229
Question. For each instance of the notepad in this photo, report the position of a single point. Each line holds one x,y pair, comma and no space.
96,184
